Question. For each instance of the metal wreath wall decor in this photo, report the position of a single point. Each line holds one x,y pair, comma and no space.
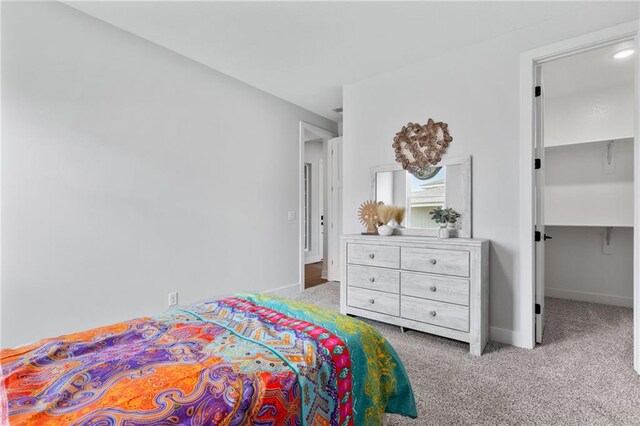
418,146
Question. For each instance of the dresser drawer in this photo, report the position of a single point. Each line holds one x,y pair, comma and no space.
443,289
436,313
371,300
448,262
374,278
373,255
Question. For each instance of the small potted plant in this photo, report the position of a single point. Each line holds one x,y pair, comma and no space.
452,220
446,218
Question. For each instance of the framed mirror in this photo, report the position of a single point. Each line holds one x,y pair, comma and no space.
446,185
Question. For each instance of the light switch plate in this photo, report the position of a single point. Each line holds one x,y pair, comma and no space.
291,215
173,298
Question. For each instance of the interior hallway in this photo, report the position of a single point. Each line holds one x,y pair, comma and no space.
313,275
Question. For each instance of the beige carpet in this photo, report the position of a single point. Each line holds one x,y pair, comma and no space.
582,374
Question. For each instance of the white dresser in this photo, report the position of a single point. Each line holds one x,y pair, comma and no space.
439,286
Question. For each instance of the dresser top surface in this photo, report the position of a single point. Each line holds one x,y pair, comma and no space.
414,239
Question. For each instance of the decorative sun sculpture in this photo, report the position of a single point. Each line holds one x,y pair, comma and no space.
368,214
418,146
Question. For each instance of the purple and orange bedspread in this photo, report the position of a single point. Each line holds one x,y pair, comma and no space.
246,360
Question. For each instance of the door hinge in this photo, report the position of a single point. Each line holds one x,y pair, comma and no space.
537,236
538,309
538,91
537,163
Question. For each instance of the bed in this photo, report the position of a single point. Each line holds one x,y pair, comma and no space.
242,360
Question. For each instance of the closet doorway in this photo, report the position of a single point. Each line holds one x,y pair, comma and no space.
584,107
588,175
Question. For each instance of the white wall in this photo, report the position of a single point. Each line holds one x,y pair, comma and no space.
314,154
576,267
578,191
589,116
476,91
128,172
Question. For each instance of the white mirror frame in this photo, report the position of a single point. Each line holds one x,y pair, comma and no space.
464,231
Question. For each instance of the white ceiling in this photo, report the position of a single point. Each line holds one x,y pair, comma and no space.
591,70
304,52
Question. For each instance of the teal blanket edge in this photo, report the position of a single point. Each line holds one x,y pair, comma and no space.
400,400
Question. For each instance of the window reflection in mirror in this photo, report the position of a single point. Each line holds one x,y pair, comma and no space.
419,195
424,196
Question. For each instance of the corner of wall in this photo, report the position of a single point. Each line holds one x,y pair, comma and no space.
509,337
288,291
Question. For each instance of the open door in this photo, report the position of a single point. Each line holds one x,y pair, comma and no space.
540,236
335,208
636,229
321,214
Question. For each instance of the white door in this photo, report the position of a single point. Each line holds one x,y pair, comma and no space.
539,201
320,213
636,230
335,208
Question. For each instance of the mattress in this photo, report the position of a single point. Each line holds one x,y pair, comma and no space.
242,360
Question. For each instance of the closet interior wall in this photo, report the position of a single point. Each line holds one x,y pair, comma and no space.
589,195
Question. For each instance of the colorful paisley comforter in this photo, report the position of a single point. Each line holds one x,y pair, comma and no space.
245,360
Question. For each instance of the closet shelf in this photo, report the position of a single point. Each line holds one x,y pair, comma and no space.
591,225
576,144
589,184
602,204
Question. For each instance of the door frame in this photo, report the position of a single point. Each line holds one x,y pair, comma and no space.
528,61
325,135
322,171
538,215
333,220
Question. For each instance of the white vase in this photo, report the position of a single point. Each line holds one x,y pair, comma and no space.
385,230
443,232
451,227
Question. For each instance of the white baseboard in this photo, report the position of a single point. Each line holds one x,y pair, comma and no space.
583,296
285,291
501,335
324,274
312,259
508,337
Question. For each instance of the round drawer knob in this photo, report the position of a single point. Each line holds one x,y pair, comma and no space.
371,255
432,288
433,261
372,279
432,313
372,301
